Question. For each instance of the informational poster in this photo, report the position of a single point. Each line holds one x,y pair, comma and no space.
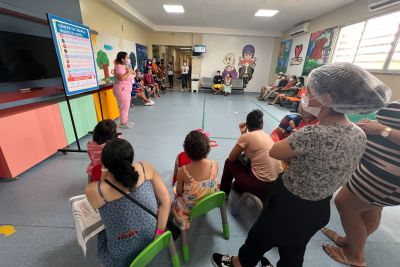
75,55
141,57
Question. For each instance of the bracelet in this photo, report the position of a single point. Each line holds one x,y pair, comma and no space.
159,232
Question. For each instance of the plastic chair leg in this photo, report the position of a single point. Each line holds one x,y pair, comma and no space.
185,246
174,256
225,225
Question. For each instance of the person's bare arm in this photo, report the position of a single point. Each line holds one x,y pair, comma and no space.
235,152
282,151
162,197
372,127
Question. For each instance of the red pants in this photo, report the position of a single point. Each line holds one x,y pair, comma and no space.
245,181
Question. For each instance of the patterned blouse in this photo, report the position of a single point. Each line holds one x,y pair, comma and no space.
326,157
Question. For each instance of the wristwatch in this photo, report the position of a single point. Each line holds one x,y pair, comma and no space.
386,132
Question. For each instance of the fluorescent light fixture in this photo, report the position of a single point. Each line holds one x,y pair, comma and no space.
185,48
174,8
266,13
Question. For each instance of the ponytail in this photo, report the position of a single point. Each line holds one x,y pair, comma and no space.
126,174
117,157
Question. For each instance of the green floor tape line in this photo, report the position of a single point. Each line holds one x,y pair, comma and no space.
204,111
264,110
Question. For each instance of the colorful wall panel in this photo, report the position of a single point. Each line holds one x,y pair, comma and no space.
108,103
84,112
31,135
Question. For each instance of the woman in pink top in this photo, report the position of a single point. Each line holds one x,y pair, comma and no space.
104,131
123,87
260,174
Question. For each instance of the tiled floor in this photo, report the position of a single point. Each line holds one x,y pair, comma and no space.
37,203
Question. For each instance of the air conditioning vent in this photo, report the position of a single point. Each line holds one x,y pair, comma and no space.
381,4
300,29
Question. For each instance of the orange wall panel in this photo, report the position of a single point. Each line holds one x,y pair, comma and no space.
29,136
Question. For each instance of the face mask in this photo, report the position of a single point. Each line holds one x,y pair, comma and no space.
128,62
305,101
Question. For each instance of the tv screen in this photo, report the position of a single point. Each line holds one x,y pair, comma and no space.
26,58
199,49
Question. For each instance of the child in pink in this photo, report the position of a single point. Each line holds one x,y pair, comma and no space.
104,131
122,88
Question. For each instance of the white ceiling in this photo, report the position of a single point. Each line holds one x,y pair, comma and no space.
227,14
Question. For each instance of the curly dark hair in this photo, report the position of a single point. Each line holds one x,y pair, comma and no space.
196,145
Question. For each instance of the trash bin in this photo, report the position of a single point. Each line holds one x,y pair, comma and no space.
195,80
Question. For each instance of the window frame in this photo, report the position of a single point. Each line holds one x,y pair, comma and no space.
389,57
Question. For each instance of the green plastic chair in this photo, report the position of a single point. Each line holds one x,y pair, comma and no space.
151,251
210,202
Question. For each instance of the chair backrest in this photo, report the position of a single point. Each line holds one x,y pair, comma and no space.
237,83
152,250
96,173
301,92
209,202
206,82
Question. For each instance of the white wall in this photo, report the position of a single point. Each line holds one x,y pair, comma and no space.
219,45
293,67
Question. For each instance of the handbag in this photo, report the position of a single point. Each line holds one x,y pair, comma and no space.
244,160
175,230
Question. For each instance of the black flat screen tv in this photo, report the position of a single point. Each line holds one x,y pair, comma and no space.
26,58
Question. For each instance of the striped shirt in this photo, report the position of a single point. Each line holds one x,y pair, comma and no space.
377,178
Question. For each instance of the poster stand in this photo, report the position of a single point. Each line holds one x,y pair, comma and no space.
78,77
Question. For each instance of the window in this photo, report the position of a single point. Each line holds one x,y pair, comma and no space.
371,44
347,43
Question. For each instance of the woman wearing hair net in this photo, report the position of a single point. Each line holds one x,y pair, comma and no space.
322,159
375,184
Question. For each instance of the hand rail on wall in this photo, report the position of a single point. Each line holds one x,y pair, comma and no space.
20,15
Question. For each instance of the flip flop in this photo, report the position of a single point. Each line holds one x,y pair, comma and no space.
332,235
345,261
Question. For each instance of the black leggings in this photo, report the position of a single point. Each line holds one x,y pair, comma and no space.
287,222
171,80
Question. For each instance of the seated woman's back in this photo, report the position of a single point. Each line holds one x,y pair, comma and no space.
128,228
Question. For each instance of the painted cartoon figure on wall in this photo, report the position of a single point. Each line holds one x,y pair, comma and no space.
229,62
247,64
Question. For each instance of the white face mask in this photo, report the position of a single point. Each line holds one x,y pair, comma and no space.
128,62
305,101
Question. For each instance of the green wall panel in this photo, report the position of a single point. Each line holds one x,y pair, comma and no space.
84,112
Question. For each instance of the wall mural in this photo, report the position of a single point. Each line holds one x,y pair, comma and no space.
229,62
141,57
283,56
319,49
297,59
105,49
247,64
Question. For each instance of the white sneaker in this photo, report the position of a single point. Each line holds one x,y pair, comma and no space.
152,102
130,123
148,104
126,126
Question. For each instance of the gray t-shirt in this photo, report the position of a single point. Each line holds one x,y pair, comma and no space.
326,157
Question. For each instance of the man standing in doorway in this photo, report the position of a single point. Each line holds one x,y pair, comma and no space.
185,76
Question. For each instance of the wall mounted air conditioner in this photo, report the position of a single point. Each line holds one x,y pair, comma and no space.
300,29
380,4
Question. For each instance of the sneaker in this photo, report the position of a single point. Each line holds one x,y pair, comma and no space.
220,260
152,102
264,262
130,123
126,126
148,104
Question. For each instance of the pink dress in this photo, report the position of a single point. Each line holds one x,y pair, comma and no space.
122,90
94,152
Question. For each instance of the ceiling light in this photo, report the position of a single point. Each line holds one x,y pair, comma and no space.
174,8
266,13
185,48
